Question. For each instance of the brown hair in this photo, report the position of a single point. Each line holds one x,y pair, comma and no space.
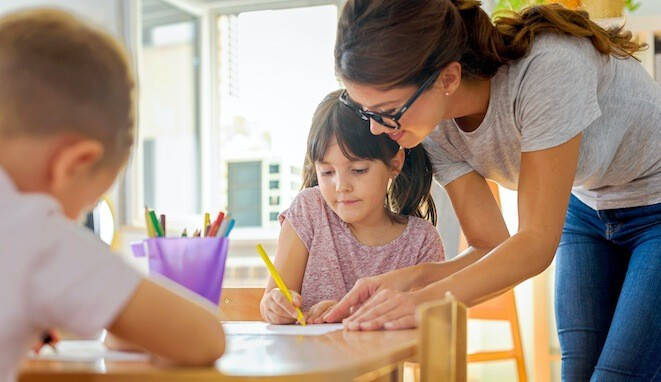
396,43
59,75
409,193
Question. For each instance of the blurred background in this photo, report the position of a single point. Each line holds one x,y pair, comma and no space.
226,91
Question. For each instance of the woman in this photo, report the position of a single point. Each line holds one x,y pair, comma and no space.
545,102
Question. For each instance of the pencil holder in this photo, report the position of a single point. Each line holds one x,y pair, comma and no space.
195,263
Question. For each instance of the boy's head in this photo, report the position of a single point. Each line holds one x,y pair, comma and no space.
66,106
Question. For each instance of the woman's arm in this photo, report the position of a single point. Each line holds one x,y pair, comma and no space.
545,182
481,222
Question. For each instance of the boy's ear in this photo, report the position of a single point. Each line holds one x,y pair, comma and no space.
397,162
73,161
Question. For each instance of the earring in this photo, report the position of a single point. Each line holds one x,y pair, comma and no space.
447,93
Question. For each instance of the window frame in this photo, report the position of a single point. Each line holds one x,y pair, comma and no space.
208,116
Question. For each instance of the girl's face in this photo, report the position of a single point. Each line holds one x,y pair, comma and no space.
355,190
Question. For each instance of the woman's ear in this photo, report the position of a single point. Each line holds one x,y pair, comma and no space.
397,162
72,161
450,78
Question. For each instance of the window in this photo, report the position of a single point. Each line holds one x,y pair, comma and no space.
274,67
169,122
227,93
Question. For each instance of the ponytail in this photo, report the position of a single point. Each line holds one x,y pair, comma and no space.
399,43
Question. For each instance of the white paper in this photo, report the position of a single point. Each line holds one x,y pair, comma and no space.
265,329
85,351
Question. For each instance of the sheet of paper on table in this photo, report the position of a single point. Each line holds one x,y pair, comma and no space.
265,329
85,351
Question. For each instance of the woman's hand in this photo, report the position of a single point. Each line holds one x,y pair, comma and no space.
387,309
317,311
363,290
276,309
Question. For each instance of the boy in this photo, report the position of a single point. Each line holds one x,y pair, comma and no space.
66,128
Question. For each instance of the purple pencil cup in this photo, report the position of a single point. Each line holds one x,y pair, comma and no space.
197,264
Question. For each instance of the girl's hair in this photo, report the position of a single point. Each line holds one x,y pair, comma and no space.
395,43
409,192
60,75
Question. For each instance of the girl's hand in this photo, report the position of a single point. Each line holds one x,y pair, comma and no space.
316,313
276,309
387,309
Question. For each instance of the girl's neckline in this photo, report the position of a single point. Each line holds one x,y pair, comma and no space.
360,244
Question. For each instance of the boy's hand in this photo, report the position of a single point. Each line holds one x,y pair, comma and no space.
316,313
276,309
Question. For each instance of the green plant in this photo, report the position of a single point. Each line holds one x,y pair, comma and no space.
631,5
516,5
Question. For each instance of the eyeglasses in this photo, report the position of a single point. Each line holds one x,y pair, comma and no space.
390,121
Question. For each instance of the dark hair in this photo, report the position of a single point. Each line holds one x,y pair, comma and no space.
409,193
397,43
59,75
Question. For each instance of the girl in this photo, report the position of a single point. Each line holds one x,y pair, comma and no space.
365,209
545,102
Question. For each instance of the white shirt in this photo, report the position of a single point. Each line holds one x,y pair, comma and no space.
53,274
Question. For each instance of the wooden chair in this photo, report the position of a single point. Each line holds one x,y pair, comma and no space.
501,308
442,352
240,304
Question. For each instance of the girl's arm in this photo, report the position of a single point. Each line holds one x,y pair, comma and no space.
291,258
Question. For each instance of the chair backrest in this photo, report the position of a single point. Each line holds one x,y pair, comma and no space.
501,307
442,340
240,304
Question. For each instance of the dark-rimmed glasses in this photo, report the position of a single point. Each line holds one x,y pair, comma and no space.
390,121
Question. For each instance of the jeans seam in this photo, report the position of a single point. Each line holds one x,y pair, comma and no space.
612,370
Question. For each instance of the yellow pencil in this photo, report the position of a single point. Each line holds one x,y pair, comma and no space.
278,281
150,228
207,222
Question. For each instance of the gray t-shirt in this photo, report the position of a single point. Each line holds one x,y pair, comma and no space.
561,88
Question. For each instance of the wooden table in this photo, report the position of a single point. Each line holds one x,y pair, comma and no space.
337,356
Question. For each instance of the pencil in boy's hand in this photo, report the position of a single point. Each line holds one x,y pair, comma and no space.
278,281
48,338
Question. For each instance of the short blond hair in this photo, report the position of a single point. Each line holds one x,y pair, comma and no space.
59,75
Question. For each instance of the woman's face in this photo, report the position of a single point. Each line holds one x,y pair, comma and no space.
416,123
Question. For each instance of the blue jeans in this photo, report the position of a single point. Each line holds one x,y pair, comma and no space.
608,293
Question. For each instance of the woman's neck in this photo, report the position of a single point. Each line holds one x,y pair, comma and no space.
378,230
471,102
